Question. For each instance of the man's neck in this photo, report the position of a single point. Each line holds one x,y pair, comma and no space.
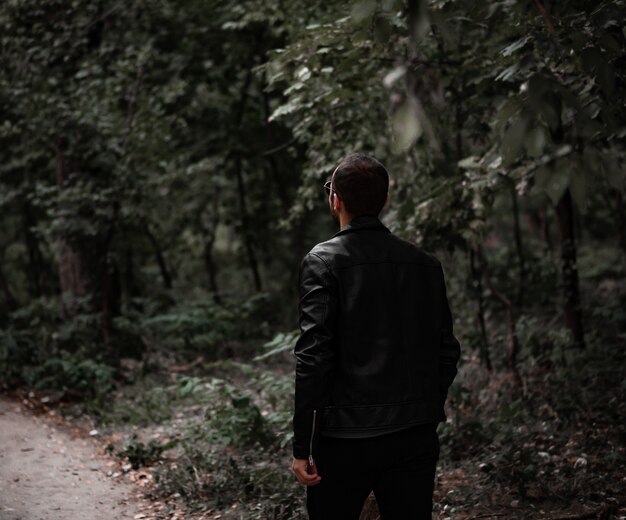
344,220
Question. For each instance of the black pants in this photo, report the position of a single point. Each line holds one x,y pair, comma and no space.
398,467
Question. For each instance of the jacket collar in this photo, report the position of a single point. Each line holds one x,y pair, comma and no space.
363,222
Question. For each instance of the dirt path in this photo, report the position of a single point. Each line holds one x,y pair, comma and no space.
45,474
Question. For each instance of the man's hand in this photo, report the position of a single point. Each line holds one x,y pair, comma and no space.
308,478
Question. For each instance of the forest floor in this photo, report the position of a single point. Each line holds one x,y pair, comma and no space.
51,469
54,466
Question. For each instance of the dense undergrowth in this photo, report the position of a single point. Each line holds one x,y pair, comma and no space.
203,399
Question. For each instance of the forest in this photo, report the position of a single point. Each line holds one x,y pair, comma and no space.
161,174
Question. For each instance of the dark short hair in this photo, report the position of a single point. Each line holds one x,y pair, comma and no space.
362,183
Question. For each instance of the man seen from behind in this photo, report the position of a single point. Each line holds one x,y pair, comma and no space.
374,360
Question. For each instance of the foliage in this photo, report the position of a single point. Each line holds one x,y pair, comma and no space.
160,179
165,126
282,342
559,439
206,327
139,454
43,352
85,376
231,442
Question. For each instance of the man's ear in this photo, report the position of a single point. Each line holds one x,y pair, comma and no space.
337,203
386,200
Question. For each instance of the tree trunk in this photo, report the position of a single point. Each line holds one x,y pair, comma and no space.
209,262
84,267
130,285
517,233
6,290
73,280
620,219
476,273
279,186
158,253
241,187
110,283
572,307
210,232
245,223
511,321
36,278
211,270
545,230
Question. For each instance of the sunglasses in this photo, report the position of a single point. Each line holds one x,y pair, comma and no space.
328,188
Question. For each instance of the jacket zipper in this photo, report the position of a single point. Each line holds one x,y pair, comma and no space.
311,460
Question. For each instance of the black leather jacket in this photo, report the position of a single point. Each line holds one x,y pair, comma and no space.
376,349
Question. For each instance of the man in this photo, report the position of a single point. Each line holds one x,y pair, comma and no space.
374,359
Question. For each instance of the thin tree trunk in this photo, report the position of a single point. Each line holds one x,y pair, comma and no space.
572,308
571,292
209,263
545,230
620,219
36,278
130,284
211,270
476,273
539,226
245,222
519,248
485,356
106,308
72,279
279,186
109,295
165,274
8,294
511,321
546,16
241,188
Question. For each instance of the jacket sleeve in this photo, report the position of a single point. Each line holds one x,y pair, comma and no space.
450,349
314,350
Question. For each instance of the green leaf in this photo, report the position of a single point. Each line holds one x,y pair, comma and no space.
405,125
303,73
382,30
535,141
469,163
513,140
553,181
363,9
508,73
391,5
515,46
422,22
448,34
508,108
285,109
544,101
